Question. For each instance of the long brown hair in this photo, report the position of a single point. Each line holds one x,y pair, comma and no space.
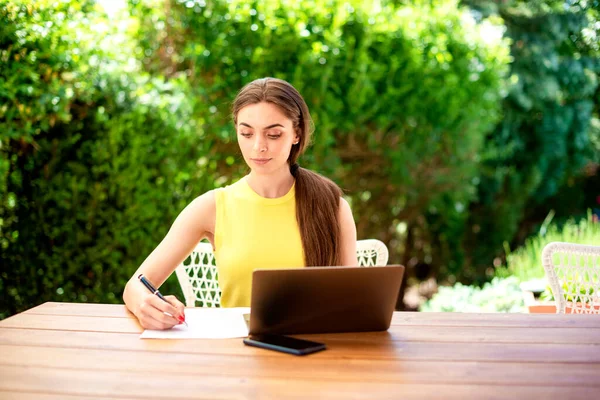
317,198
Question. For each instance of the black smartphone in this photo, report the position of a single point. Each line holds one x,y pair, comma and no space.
284,344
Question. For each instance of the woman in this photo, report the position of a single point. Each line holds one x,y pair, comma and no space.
278,216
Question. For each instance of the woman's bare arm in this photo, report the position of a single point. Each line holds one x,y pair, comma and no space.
348,235
194,223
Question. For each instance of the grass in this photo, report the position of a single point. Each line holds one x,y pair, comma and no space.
525,263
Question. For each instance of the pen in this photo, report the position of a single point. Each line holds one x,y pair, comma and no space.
155,291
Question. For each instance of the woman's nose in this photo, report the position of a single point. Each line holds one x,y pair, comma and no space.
260,145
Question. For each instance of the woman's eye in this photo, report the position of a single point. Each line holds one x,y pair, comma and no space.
246,134
274,136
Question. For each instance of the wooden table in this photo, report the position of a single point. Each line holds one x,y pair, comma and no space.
93,351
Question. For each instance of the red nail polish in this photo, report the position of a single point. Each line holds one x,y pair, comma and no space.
181,319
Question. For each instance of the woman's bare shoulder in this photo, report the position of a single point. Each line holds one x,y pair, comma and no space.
205,200
200,213
344,206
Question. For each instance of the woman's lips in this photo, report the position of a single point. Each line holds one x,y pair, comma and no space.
260,161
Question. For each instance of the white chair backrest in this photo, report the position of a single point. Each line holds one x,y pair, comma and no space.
573,271
198,276
371,252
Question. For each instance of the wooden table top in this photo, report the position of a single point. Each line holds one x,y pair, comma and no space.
93,351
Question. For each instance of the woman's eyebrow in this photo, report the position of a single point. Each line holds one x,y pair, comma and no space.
265,128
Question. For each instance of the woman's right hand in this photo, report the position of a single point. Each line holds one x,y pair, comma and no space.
151,312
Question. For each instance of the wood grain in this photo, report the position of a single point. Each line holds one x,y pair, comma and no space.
496,319
403,333
20,395
72,323
280,366
118,384
93,351
348,349
399,318
82,309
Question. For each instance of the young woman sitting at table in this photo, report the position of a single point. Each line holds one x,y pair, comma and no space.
279,215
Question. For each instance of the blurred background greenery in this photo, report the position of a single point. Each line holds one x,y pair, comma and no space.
457,129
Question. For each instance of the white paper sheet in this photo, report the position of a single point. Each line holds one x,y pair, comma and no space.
206,323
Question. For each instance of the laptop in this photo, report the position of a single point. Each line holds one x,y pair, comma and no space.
323,299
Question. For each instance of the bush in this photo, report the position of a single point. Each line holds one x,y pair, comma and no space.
499,295
544,140
94,176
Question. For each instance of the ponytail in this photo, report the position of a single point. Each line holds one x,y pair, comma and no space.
317,213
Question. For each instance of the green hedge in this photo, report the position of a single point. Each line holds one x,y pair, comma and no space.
99,158
104,139
535,159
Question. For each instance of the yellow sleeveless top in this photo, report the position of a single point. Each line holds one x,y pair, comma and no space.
253,232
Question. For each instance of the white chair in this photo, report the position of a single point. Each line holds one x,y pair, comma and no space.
573,271
371,253
198,276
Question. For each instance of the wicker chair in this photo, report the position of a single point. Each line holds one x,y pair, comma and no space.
573,271
198,276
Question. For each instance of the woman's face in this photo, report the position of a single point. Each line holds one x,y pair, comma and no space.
265,136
